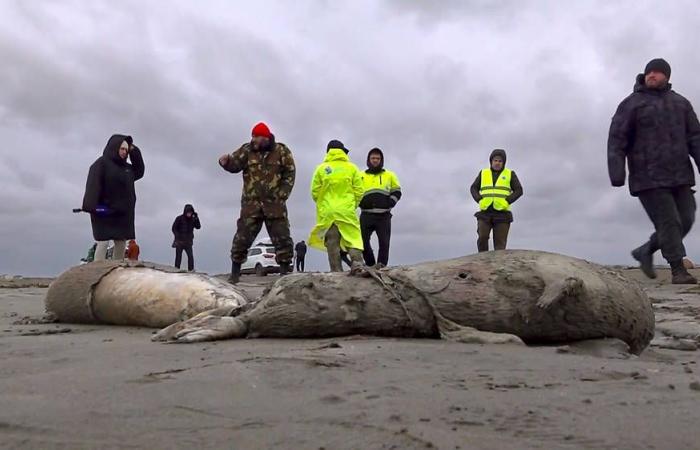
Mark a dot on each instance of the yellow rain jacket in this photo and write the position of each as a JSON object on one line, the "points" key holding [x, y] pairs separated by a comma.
{"points": [[337, 190]]}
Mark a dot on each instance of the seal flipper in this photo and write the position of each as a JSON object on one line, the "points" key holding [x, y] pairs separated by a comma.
{"points": [[207, 326], [451, 331], [559, 290], [213, 328]]}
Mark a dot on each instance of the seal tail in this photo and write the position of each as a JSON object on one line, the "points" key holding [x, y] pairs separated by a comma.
{"points": [[557, 291]]}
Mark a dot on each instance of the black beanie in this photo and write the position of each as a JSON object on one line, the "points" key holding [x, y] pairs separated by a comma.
{"points": [[658, 65], [336, 144]]}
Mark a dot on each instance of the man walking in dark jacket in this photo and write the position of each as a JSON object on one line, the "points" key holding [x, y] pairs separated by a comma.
{"points": [[655, 131], [183, 229], [495, 189], [381, 193], [300, 250]]}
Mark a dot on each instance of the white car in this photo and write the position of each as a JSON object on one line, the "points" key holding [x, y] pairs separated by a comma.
{"points": [[261, 260]]}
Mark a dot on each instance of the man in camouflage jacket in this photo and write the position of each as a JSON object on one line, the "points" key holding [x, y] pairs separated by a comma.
{"points": [[268, 178]]}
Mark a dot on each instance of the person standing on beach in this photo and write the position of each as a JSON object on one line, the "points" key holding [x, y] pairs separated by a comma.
{"points": [[110, 196], [495, 189], [382, 192], [336, 188], [183, 235], [268, 179], [300, 250], [655, 132]]}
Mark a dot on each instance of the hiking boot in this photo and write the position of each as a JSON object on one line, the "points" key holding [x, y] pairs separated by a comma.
{"points": [[680, 275], [235, 276], [379, 266], [646, 260]]}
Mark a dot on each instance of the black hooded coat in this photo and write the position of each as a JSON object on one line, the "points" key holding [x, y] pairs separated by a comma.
{"points": [[110, 183], [183, 227]]}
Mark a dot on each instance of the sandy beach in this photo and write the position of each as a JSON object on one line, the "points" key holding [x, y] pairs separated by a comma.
{"points": [[77, 386]]}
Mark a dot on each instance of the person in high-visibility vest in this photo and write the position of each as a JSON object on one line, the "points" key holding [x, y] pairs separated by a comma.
{"points": [[495, 189], [382, 192]]}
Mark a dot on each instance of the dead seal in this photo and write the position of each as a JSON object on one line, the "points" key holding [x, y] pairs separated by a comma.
{"points": [[504, 296], [136, 293]]}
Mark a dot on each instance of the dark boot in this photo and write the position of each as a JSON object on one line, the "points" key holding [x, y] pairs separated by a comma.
{"points": [[285, 269], [645, 259], [235, 273], [680, 275]]}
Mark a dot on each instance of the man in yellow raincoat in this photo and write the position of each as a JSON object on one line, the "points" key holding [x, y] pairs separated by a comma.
{"points": [[337, 189]]}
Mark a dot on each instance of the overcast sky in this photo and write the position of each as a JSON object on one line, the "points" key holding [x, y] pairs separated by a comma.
{"points": [[436, 85]]}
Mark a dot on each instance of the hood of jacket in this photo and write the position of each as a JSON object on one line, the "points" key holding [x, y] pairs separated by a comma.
{"points": [[336, 154], [380, 167], [188, 208], [111, 150], [498, 152]]}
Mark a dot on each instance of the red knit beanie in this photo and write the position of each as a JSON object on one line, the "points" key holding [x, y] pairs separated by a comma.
{"points": [[261, 130]]}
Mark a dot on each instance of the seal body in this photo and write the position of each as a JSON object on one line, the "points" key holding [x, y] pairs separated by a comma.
{"points": [[141, 294], [537, 297]]}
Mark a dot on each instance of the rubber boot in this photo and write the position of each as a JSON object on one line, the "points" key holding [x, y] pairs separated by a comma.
{"points": [[680, 275], [235, 273], [645, 259]]}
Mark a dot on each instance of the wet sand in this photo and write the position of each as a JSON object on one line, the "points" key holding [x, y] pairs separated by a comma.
{"points": [[73, 386]]}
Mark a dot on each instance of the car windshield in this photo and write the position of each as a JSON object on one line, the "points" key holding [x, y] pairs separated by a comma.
{"points": [[270, 250]]}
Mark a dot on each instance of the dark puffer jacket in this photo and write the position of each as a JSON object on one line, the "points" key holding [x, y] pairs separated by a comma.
{"points": [[654, 131], [110, 183], [183, 227]]}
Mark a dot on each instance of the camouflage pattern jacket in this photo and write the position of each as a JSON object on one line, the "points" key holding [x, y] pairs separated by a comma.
{"points": [[268, 177]]}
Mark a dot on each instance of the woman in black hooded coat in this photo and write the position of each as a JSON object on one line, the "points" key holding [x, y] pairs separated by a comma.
{"points": [[110, 197]]}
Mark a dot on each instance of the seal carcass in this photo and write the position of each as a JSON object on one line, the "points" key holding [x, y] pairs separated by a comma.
{"points": [[511, 295], [142, 294]]}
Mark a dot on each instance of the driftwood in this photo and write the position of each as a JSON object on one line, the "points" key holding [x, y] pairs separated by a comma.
{"points": [[504, 296]]}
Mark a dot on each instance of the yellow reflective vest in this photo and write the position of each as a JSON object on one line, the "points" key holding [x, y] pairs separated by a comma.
{"points": [[495, 194], [336, 188]]}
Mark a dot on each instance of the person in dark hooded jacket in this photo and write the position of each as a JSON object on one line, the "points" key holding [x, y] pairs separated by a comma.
{"points": [[655, 132], [381, 193], [183, 230], [110, 196], [495, 189]]}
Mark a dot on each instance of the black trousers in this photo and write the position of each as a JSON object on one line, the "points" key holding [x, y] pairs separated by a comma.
{"points": [[300, 263], [190, 257], [381, 224], [672, 211]]}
